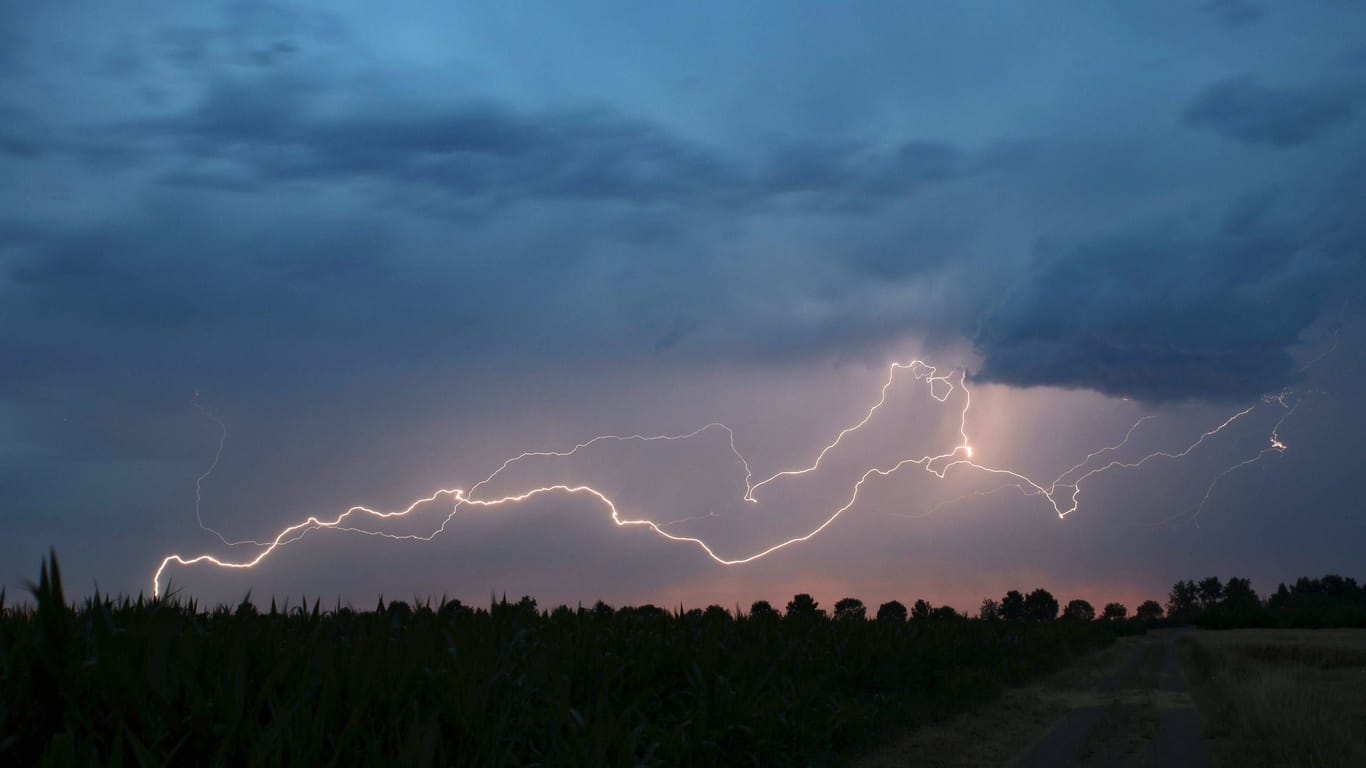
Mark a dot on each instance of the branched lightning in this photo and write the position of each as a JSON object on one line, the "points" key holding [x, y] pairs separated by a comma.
{"points": [[199, 481], [1063, 493], [1275, 445], [919, 370], [1335, 331]]}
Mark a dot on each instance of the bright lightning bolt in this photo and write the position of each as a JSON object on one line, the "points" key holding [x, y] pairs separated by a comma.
{"points": [[920, 371], [941, 388], [1276, 446]]}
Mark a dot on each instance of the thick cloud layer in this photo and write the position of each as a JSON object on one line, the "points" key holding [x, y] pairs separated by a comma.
{"points": [[1236, 13], [277, 179], [1174, 311], [1243, 109]]}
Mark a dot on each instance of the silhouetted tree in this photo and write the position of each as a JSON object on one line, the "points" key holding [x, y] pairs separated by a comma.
{"points": [[1079, 610], [891, 611], [449, 609], [803, 606], [944, 613], [1241, 607], [990, 610], [1210, 592], [921, 610], [1114, 612], [1182, 601], [1238, 593], [1333, 601], [652, 612], [1334, 585], [1149, 610], [400, 610], [761, 609], [716, 613], [1013, 606], [850, 609], [1040, 605]]}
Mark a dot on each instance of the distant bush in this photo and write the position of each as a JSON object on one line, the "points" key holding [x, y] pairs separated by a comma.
{"points": [[1149, 611], [850, 609], [761, 609], [892, 611], [1040, 605], [1079, 610], [1114, 612]]}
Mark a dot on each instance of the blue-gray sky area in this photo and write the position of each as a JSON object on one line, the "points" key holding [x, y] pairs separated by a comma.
{"points": [[387, 246]]}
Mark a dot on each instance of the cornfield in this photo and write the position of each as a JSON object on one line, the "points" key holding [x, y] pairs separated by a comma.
{"points": [[123, 681]]}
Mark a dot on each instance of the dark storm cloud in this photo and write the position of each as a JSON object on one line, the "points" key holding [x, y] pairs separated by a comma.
{"points": [[286, 96], [154, 305], [18, 142], [124, 59], [854, 177], [480, 150], [12, 45], [1236, 13], [24, 136], [1165, 313], [1243, 109], [295, 195], [255, 34], [265, 130], [548, 202]]}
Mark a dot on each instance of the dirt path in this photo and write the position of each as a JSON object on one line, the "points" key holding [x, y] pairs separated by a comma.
{"points": [[1141, 714], [1271, 697], [1124, 706]]}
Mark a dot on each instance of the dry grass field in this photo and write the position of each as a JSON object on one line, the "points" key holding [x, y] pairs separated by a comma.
{"points": [[1283, 697]]}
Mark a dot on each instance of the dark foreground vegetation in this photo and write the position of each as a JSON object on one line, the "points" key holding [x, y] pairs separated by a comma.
{"points": [[162, 682], [155, 682]]}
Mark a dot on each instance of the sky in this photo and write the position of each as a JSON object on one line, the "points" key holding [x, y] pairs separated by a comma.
{"points": [[291, 258]]}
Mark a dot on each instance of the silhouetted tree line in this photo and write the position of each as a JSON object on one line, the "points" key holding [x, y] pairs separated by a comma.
{"points": [[1332, 601]]}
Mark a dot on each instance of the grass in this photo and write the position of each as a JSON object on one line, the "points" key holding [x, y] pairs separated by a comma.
{"points": [[162, 682], [1281, 696]]}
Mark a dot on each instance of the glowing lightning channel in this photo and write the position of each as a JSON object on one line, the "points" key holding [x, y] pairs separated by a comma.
{"points": [[940, 388], [199, 481], [1276, 446], [920, 370]]}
